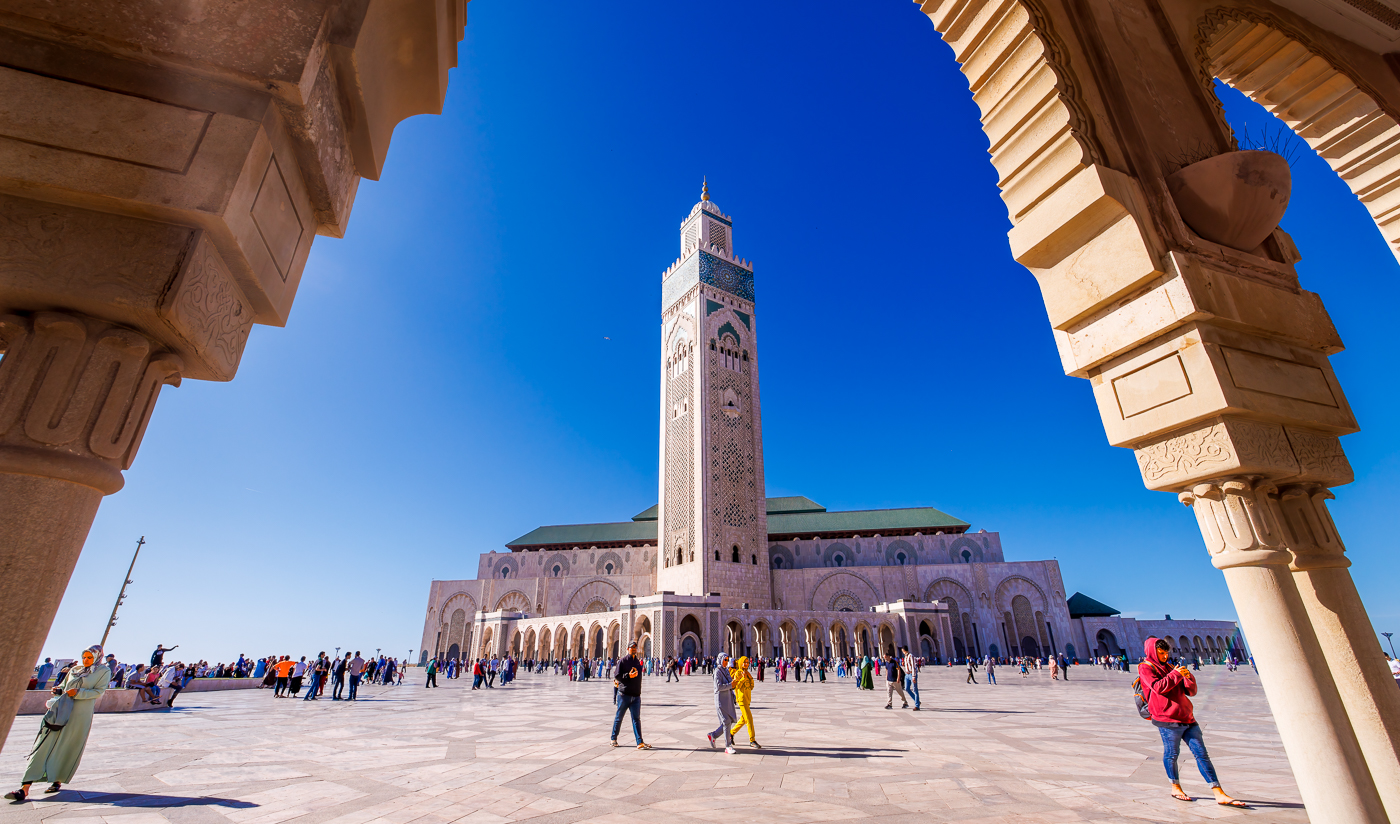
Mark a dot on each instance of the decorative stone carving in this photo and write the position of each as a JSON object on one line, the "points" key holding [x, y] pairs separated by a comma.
{"points": [[205, 307], [1320, 457], [75, 397], [1309, 529], [1222, 446]]}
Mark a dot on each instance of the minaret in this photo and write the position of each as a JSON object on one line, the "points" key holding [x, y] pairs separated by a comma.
{"points": [[713, 530]]}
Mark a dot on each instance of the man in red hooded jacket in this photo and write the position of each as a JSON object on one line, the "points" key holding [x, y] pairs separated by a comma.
{"points": [[1168, 691]]}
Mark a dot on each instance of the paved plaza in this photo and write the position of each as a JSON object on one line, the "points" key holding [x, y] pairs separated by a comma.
{"points": [[1028, 750]]}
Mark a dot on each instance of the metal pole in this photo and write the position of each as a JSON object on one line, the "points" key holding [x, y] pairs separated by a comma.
{"points": [[121, 596], [1392, 642]]}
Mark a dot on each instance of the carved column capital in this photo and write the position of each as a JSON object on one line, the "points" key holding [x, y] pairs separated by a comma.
{"points": [[76, 394], [1240, 520], [1311, 533]]}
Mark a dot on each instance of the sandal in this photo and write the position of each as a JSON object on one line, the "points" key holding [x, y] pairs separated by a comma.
{"points": [[613, 744], [643, 746], [17, 796], [54, 787], [1182, 797], [1234, 802]]}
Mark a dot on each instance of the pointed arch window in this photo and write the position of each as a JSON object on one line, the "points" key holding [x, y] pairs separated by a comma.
{"points": [[735, 557]]}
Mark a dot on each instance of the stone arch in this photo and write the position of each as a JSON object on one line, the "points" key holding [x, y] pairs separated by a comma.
{"points": [[856, 587], [561, 642], [1014, 585], [456, 629], [513, 601], [964, 550], [561, 560], [839, 637], [487, 636], [898, 548], [787, 638], [944, 588], [780, 557], [608, 557], [529, 650], [1026, 639], [546, 650], [1333, 112], [1032, 108], [594, 590], [838, 554], [459, 600], [506, 566]]}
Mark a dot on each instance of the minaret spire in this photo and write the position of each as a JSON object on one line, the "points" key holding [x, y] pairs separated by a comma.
{"points": [[704, 188]]}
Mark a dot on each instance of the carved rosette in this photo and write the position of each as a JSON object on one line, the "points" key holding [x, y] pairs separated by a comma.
{"points": [[76, 394]]}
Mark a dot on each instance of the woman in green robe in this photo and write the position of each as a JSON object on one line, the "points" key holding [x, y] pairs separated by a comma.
{"points": [[57, 750], [865, 682]]}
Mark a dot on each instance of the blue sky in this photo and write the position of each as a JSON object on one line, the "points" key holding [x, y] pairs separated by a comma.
{"points": [[479, 355]]}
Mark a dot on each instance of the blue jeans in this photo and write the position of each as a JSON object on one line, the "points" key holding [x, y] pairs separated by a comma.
{"points": [[911, 688], [633, 704], [991, 676], [315, 682], [354, 686], [1171, 746]]}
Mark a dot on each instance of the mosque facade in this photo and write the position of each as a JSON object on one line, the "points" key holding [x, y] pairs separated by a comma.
{"points": [[717, 566]]}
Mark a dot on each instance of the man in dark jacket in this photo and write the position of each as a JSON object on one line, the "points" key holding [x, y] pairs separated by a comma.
{"points": [[627, 690]]}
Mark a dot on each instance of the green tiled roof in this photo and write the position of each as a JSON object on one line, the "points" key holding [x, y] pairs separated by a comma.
{"points": [[863, 521], [792, 515], [652, 514], [1082, 606], [627, 532]]}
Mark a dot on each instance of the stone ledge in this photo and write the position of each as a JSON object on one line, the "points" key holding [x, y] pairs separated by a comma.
{"points": [[125, 700]]}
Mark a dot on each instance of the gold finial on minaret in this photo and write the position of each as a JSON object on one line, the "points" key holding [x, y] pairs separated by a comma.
{"points": [[704, 189]]}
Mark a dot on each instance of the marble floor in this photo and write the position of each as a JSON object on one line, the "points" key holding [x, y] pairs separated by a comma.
{"points": [[1026, 750]]}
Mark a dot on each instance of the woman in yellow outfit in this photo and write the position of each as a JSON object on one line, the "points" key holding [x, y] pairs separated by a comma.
{"points": [[743, 688]]}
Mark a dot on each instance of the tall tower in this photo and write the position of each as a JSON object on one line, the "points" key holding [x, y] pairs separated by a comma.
{"points": [[713, 530]]}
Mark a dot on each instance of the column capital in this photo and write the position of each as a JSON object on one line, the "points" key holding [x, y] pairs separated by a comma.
{"points": [[1310, 530], [1240, 522], [76, 394]]}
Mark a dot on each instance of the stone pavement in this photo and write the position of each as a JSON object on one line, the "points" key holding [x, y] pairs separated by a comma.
{"points": [[1025, 751]]}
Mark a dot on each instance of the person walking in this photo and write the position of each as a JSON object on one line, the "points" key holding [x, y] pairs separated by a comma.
{"points": [[283, 669], [432, 674], [1167, 690], [315, 677], [357, 669], [1054, 668], [991, 670], [911, 676], [894, 683], [627, 694], [63, 733], [865, 681], [341, 670], [971, 670], [743, 692], [44, 674], [724, 704]]}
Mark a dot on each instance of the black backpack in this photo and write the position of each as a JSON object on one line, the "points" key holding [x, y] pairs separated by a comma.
{"points": [[1141, 699]]}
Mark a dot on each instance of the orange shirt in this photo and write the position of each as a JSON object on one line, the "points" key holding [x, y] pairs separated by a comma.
{"points": [[284, 668]]}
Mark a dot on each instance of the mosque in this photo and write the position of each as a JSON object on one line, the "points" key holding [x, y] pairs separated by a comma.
{"points": [[716, 566]]}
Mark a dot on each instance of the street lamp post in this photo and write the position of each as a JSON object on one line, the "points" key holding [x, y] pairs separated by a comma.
{"points": [[121, 596], [1392, 643], [337, 653], [409, 660]]}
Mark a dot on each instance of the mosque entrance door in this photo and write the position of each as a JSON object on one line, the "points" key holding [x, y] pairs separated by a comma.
{"points": [[688, 647], [454, 652], [1030, 647]]}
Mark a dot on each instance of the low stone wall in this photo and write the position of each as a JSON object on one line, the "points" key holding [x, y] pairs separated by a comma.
{"points": [[125, 700]]}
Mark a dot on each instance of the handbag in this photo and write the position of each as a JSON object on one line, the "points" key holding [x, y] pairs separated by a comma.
{"points": [[60, 710]]}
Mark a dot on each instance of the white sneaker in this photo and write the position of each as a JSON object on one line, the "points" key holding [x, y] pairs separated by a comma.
{"points": [[729, 750]]}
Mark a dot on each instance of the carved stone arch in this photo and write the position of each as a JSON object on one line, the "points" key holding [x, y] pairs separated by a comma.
{"points": [[595, 590], [513, 601], [948, 587], [1014, 585], [836, 583], [832, 550], [962, 542], [1346, 121], [559, 559], [607, 557], [776, 551], [911, 555], [459, 600], [506, 566], [1032, 107]]}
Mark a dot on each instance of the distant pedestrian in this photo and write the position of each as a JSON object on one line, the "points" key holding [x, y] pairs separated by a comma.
{"points": [[432, 674], [911, 676], [1167, 691], [298, 673], [894, 682], [45, 673], [339, 673], [724, 704], [743, 693], [627, 694], [357, 669], [317, 672], [971, 670], [865, 681], [991, 670]]}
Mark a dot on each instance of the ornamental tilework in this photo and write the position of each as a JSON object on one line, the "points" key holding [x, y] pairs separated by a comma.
{"points": [[722, 274]]}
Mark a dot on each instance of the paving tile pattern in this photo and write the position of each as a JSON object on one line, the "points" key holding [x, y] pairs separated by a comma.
{"points": [[1027, 750]]}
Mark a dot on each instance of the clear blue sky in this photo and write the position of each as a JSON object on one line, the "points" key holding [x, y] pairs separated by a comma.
{"points": [[479, 355]]}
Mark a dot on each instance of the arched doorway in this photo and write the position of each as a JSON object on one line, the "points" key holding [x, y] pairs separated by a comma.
{"points": [[454, 653], [688, 647], [1106, 643], [1030, 647]]}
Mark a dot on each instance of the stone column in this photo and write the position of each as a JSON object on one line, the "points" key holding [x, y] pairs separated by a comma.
{"points": [[1345, 633], [1241, 522], [75, 396]]}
